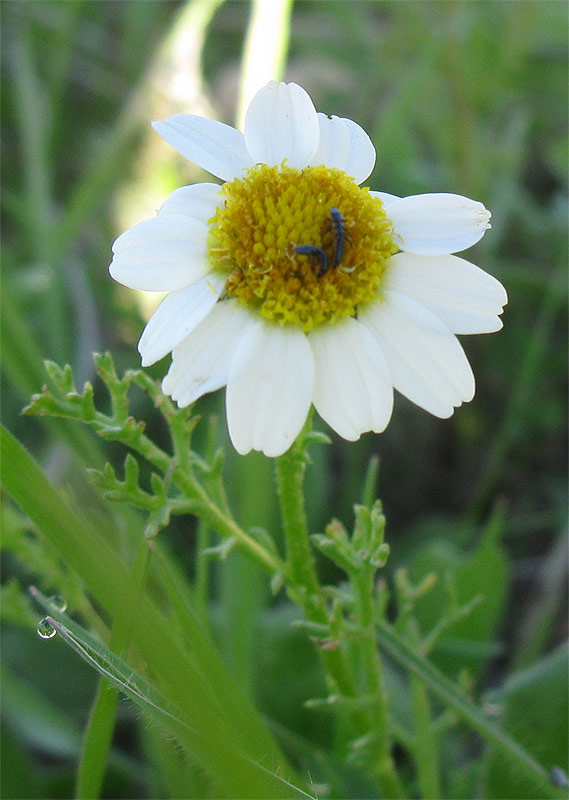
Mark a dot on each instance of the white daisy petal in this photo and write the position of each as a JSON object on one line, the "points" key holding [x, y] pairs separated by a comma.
{"points": [[200, 363], [269, 390], [437, 224], [177, 315], [463, 296], [264, 219], [281, 123], [426, 362], [199, 201], [161, 254], [214, 146], [352, 388], [346, 146], [385, 198]]}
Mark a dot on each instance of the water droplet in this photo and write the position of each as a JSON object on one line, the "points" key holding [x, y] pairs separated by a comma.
{"points": [[45, 629], [58, 602], [559, 778]]}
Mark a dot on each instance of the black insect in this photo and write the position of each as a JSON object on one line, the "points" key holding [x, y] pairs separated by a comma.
{"points": [[339, 226], [313, 250]]}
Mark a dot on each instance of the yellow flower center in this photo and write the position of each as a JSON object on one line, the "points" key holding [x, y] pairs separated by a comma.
{"points": [[302, 247]]}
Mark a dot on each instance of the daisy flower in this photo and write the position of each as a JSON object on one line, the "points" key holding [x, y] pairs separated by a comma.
{"points": [[291, 284]]}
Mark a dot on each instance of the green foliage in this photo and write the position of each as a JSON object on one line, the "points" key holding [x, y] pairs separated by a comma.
{"points": [[191, 679], [464, 97], [529, 705], [342, 623], [478, 581]]}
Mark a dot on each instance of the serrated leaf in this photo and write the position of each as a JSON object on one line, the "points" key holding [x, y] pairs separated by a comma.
{"points": [[43, 404], [61, 377]]}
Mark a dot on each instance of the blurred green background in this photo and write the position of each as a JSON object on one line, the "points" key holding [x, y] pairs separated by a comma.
{"points": [[464, 97]]}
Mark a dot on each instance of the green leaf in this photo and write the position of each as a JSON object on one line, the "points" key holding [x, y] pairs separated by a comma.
{"points": [[508, 749], [192, 680], [246, 777], [534, 707]]}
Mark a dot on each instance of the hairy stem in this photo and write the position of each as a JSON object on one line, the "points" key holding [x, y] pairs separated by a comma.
{"points": [[382, 762], [304, 588]]}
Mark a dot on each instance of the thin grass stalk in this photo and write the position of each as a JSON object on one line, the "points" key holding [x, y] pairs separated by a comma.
{"points": [[98, 736]]}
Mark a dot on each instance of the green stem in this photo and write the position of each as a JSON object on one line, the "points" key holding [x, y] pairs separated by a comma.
{"points": [[290, 474], [204, 536], [228, 528], [205, 508], [383, 765], [97, 742], [425, 742], [303, 584]]}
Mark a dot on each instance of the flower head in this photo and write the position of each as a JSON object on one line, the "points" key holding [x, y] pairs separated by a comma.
{"points": [[292, 284]]}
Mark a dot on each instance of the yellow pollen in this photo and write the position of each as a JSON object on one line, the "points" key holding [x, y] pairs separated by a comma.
{"points": [[273, 210]]}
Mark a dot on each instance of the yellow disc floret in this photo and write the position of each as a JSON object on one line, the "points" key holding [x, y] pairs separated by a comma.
{"points": [[303, 247]]}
